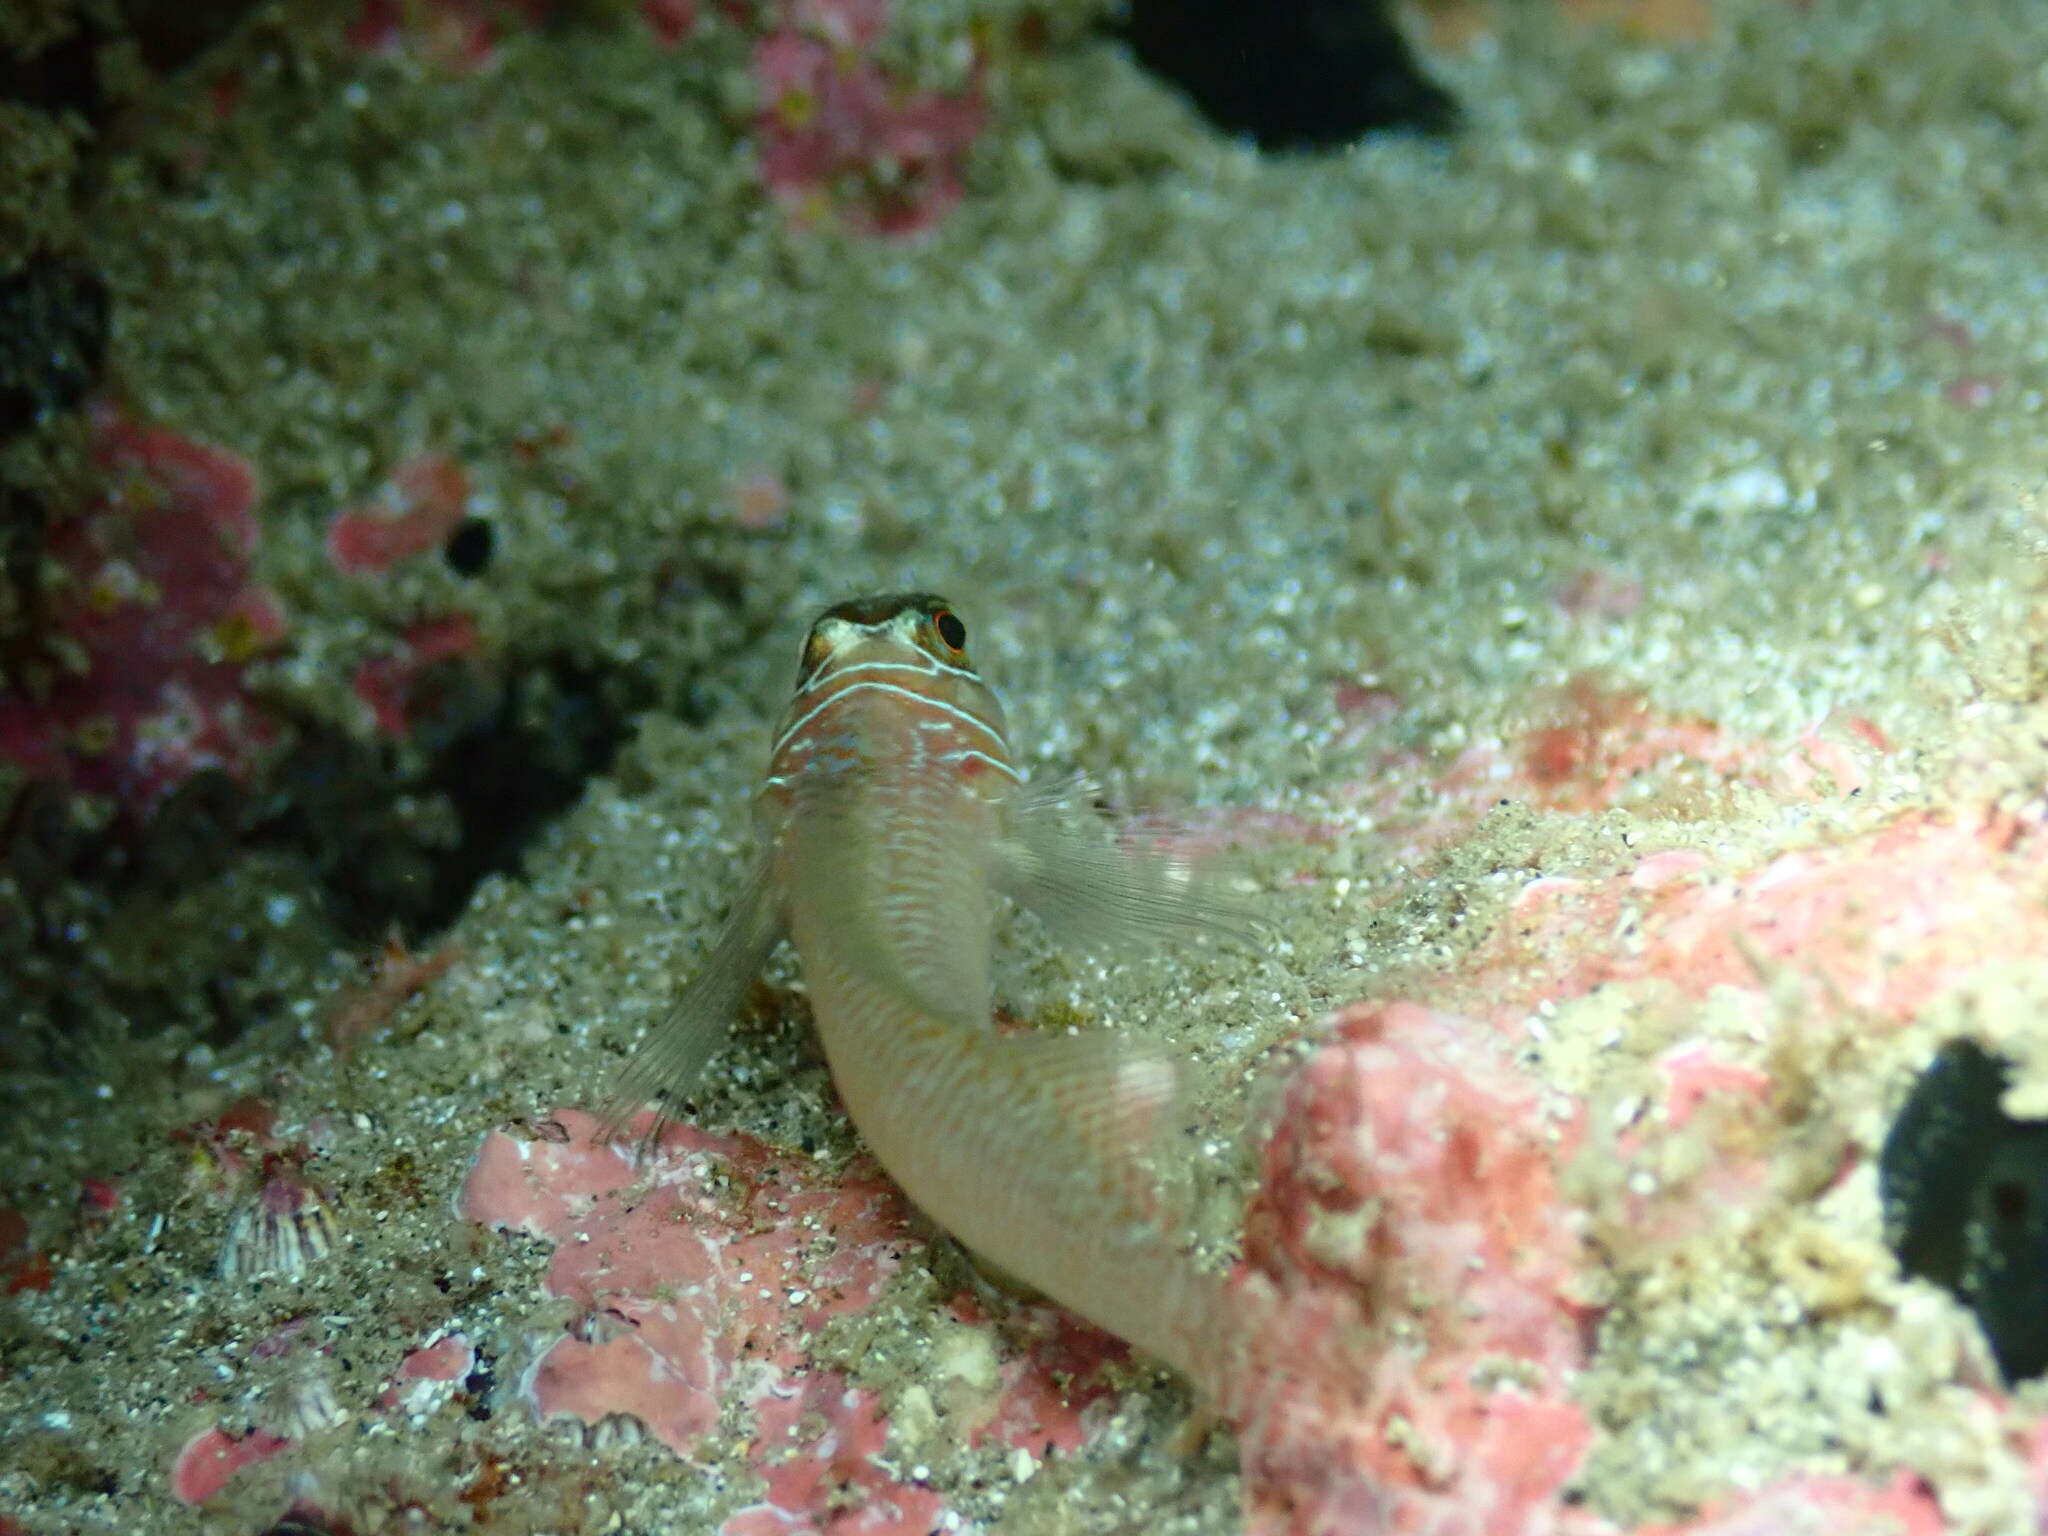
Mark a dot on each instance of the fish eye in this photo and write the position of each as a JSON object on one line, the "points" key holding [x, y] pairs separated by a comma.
{"points": [[816, 648], [950, 629]]}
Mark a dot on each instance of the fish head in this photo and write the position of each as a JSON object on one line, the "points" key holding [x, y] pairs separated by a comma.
{"points": [[887, 694], [904, 628]]}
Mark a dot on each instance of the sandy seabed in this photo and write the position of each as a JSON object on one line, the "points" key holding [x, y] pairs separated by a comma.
{"points": [[1594, 563]]}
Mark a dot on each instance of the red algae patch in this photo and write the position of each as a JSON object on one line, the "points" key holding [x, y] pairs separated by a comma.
{"points": [[392, 977], [818, 1446], [1693, 1074], [428, 1376], [1438, 1235], [21, 1267], [1588, 747], [1883, 918], [701, 1267], [1603, 737], [449, 1360], [459, 36]]}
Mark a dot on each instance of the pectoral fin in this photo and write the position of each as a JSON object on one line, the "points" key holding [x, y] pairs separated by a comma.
{"points": [[1095, 892], [672, 1057]]}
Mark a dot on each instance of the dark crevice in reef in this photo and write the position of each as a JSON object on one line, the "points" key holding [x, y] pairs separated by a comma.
{"points": [[53, 339], [218, 910], [1965, 1193], [56, 63], [1290, 74], [499, 771]]}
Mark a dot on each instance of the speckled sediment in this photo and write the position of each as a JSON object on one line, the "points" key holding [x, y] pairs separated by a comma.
{"points": [[1274, 486]]}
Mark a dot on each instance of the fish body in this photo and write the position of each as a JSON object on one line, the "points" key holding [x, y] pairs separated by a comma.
{"points": [[889, 790], [894, 824]]}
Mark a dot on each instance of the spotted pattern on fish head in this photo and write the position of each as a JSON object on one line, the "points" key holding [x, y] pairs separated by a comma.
{"points": [[886, 691]]}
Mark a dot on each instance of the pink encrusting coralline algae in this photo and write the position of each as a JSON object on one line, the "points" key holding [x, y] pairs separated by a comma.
{"points": [[702, 1266], [1882, 922], [1413, 1260], [837, 130], [211, 1458], [414, 513], [1416, 1262], [1414, 1250], [387, 683], [1407, 1294], [157, 619], [423, 502], [1820, 1506]]}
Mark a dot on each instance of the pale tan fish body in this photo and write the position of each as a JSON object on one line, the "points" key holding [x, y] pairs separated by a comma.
{"points": [[893, 823]]}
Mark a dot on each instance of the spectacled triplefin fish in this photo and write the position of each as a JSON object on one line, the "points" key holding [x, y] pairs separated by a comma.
{"points": [[893, 824]]}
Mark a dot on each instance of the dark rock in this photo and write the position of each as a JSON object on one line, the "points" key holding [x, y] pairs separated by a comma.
{"points": [[53, 339], [1965, 1193], [1293, 74], [63, 77], [500, 763], [468, 550]]}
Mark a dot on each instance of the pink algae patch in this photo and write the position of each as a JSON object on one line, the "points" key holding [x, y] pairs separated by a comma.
{"points": [[1602, 738], [1884, 921], [1693, 1073], [1413, 1258], [210, 1460], [1043, 1392], [700, 1267], [1820, 1506], [818, 1442], [422, 504], [459, 36], [426, 1377], [1413, 1261], [1593, 747], [158, 617], [671, 20], [449, 1360], [1601, 742], [389, 684], [838, 130], [1431, 1434], [21, 1267]]}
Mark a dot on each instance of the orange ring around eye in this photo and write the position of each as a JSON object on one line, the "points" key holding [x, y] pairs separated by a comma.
{"points": [[946, 623]]}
